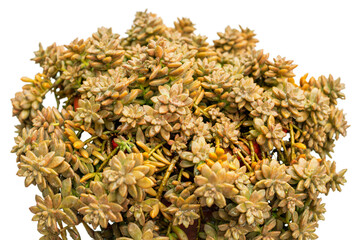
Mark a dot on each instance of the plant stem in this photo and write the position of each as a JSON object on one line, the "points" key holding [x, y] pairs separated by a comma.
{"points": [[198, 227], [257, 158], [263, 155], [217, 141], [79, 134], [88, 229], [166, 177], [252, 151], [242, 150], [202, 111], [169, 229], [292, 139], [237, 152], [56, 83], [156, 148], [103, 146], [297, 128], [77, 232], [90, 139], [57, 100], [281, 155], [180, 174], [244, 141], [62, 232], [108, 159], [240, 123], [285, 150]]}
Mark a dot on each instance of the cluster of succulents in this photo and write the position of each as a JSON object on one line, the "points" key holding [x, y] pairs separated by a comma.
{"points": [[161, 135]]}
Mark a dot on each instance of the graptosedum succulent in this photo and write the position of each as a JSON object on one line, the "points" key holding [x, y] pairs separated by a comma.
{"points": [[161, 135]]}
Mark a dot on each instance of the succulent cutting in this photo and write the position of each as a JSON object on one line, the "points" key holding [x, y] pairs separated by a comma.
{"points": [[162, 135]]}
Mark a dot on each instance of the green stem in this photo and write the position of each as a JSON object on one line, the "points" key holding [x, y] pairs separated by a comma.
{"points": [[237, 152], [202, 111], [166, 177], [292, 139], [240, 123], [242, 150], [244, 141], [180, 174], [201, 213], [285, 150], [77, 232], [297, 128], [156, 148], [198, 227], [90, 139], [252, 151], [62, 232], [104, 133], [88, 229], [57, 100], [169, 229], [79, 134], [108, 159], [281, 155], [257, 158], [56, 83], [103, 146]]}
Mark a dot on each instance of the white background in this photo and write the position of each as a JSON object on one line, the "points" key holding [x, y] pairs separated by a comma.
{"points": [[321, 36]]}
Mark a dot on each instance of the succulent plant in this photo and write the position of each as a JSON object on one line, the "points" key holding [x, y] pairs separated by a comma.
{"points": [[234, 230], [185, 26], [218, 84], [279, 68], [105, 51], [301, 228], [172, 100], [199, 152], [337, 124], [235, 41], [290, 101], [48, 210], [262, 108], [87, 112], [184, 207], [309, 174], [49, 59], [162, 135], [272, 177], [267, 232], [267, 136], [26, 103], [132, 116], [252, 207], [98, 210], [245, 91], [42, 167], [215, 185], [146, 27], [126, 174], [133, 231], [317, 107], [336, 178], [329, 86]]}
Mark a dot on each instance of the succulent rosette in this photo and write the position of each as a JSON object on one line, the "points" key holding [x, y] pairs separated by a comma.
{"points": [[161, 135]]}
